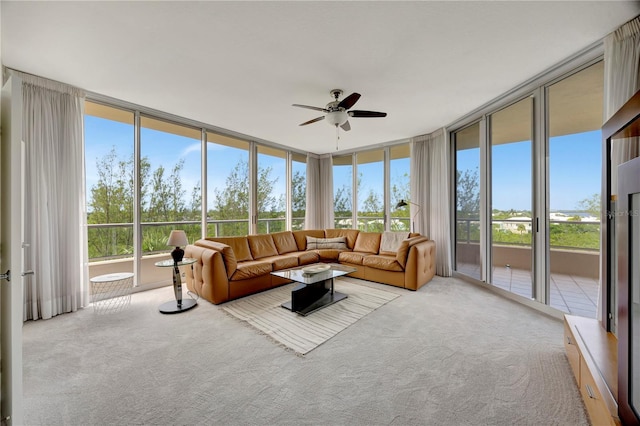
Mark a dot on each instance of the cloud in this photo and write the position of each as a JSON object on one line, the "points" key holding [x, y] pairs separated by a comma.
{"points": [[195, 147]]}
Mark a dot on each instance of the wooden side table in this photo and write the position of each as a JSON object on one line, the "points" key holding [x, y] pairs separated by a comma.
{"points": [[178, 305]]}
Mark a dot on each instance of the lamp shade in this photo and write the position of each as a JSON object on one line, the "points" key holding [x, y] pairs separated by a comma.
{"points": [[401, 204], [177, 238]]}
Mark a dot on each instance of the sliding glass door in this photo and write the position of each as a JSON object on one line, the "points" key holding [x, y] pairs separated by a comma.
{"points": [[467, 194], [527, 193], [511, 198]]}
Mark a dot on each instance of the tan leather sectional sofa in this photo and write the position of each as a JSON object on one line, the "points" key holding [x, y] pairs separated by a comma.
{"points": [[231, 267]]}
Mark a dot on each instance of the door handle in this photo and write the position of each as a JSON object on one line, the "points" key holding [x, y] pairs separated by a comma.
{"points": [[6, 275], [29, 272]]}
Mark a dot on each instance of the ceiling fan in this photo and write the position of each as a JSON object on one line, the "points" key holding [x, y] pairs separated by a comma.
{"points": [[337, 112]]}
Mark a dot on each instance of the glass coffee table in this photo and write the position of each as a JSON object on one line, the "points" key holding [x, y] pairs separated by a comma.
{"points": [[315, 286]]}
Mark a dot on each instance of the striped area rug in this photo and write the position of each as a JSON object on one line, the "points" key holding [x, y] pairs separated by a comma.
{"points": [[303, 334]]}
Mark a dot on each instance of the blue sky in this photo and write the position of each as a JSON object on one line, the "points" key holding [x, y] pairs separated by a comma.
{"points": [[574, 163], [167, 149], [574, 171]]}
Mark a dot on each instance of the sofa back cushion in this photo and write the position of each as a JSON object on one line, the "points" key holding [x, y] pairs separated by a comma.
{"points": [[262, 246], [367, 242], [301, 237], [351, 235], [240, 246], [338, 243], [284, 241]]}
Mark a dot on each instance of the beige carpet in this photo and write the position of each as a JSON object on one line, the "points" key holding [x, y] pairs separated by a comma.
{"points": [[449, 354], [303, 334]]}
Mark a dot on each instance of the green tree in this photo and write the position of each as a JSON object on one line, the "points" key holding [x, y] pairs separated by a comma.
{"points": [[298, 199], [592, 205], [232, 202], [468, 193]]}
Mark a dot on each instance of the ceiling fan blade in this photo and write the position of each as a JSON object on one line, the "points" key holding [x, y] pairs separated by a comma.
{"points": [[361, 114], [310, 107], [312, 121], [349, 101], [346, 126]]}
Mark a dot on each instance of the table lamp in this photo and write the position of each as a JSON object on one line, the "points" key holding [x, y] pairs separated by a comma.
{"points": [[177, 238]]}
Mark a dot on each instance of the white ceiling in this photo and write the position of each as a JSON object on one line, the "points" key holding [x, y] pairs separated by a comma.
{"points": [[240, 65]]}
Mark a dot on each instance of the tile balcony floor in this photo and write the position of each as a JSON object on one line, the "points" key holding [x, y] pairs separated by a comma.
{"points": [[572, 294]]}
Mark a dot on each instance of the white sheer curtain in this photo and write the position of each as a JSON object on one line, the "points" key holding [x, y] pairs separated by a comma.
{"points": [[621, 82], [55, 209], [319, 211], [430, 189]]}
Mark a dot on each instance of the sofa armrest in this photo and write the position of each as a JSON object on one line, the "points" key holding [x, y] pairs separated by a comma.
{"points": [[403, 251], [208, 278], [228, 256], [421, 264]]}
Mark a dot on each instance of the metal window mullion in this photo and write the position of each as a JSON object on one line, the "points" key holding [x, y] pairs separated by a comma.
{"points": [[354, 191], [288, 195], [387, 189], [540, 205], [253, 188], [203, 184], [137, 202], [485, 199]]}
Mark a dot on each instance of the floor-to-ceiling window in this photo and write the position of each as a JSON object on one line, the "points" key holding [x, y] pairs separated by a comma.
{"points": [[467, 195], [109, 143], [342, 191], [575, 161], [271, 190], [298, 190], [370, 189], [399, 186], [511, 197], [227, 186], [170, 182], [376, 180], [527, 189]]}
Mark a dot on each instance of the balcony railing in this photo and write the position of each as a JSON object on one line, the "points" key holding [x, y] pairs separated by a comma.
{"points": [[115, 240], [582, 235]]}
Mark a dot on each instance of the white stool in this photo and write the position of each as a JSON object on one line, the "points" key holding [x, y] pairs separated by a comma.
{"points": [[111, 292]]}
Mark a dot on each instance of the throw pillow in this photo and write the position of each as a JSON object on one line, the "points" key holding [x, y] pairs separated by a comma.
{"points": [[326, 243]]}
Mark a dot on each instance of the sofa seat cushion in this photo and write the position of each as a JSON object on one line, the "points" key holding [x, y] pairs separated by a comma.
{"points": [[252, 269], [355, 258], [240, 246], [284, 241], [367, 242], [379, 261], [350, 234], [328, 254], [306, 257], [281, 262], [262, 246]]}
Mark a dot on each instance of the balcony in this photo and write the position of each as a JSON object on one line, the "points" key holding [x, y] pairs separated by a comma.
{"points": [[574, 275]]}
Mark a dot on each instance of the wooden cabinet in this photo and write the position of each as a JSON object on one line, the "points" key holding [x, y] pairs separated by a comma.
{"points": [[592, 355]]}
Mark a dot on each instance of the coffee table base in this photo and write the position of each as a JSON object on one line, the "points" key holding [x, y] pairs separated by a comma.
{"points": [[308, 298]]}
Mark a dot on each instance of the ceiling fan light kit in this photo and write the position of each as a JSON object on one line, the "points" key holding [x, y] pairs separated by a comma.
{"points": [[337, 112]]}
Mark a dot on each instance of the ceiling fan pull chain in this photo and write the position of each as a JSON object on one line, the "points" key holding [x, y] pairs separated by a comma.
{"points": [[337, 136]]}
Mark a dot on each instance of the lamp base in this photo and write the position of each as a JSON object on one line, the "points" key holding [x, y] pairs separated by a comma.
{"points": [[177, 254]]}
